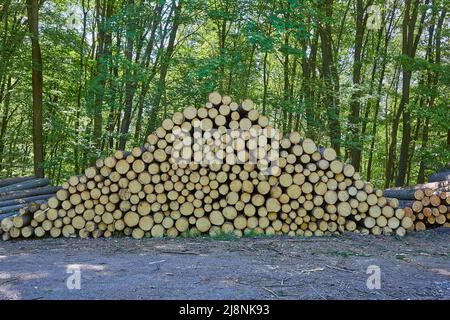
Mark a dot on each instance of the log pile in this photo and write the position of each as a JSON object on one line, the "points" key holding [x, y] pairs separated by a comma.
{"points": [[20, 197], [426, 204], [18, 192], [210, 170]]}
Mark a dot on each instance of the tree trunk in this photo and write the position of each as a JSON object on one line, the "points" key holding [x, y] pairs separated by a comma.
{"points": [[409, 45], [308, 68], [130, 86], [391, 150], [161, 86], [37, 83], [265, 83], [81, 82], [104, 39], [354, 120], [146, 83], [433, 80], [286, 100], [5, 118], [387, 38], [331, 76]]}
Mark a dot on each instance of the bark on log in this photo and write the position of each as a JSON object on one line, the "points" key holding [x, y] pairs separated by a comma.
{"points": [[14, 180], [26, 200], [19, 206], [407, 193], [9, 214], [440, 176], [29, 184], [29, 193]]}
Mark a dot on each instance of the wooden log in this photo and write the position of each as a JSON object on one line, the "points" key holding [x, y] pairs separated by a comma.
{"points": [[443, 175], [407, 193], [348, 170], [21, 220], [16, 207], [28, 184], [344, 209], [420, 226], [25, 200], [309, 146], [328, 154], [405, 203], [435, 201], [215, 98], [29, 193], [336, 166], [400, 193], [122, 166], [14, 180], [417, 206], [4, 216], [247, 105]]}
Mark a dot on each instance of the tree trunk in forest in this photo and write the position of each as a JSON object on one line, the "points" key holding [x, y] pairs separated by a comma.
{"points": [[308, 69], [146, 84], [409, 45], [115, 110], [265, 83], [98, 76], [81, 82], [161, 86], [331, 76], [222, 34], [387, 38], [130, 86], [286, 100], [354, 119], [406, 133], [37, 80], [421, 174], [413, 148], [391, 152], [248, 73], [5, 116], [104, 39], [433, 80]]}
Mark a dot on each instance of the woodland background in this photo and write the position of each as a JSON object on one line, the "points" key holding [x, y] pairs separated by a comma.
{"points": [[371, 78]]}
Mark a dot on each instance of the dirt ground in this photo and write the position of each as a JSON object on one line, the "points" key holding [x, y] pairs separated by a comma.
{"points": [[414, 267]]}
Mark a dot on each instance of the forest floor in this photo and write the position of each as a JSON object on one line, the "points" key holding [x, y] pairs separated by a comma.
{"points": [[414, 267]]}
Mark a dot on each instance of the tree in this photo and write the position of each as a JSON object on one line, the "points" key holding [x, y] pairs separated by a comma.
{"points": [[330, 75], [355, 105], [165, 60], [130, 87], [311, 66], [409, 46], [37, 80]]}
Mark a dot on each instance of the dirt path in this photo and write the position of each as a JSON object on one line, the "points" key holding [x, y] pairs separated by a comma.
{"points": [[414, 267]]}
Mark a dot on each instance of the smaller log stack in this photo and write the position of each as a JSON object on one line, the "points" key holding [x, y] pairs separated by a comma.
{"points": [[20, 197], [426, 205]]}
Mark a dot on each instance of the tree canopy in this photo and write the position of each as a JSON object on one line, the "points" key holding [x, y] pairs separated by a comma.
{"points": [[368, 77]]}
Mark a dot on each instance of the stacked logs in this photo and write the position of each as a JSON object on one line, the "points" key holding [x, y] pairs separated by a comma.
{"points": [[22, 223], [427, 207], [19, 198], [19, 192], [189, 180]]}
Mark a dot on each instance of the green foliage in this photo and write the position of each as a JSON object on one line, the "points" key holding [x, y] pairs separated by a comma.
{"points": [[224, 45]]}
